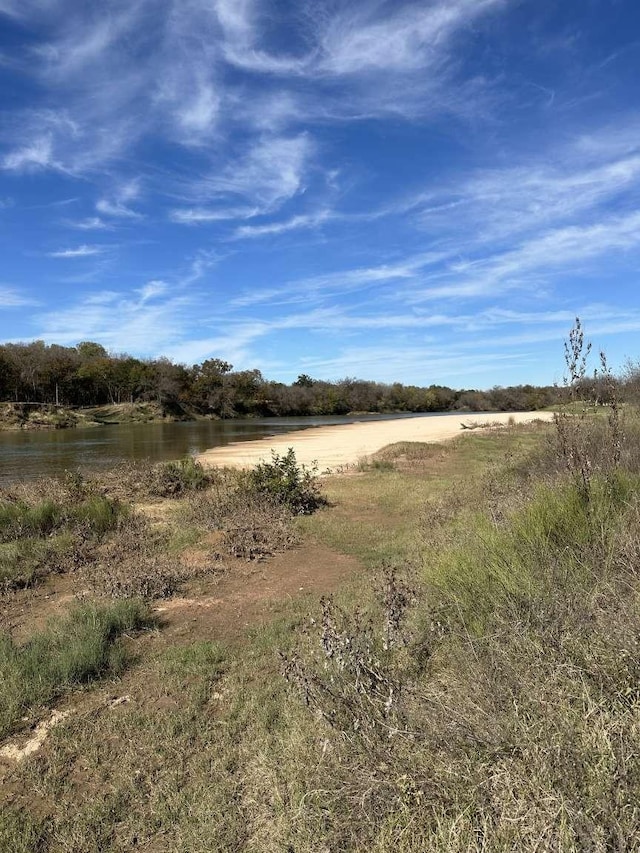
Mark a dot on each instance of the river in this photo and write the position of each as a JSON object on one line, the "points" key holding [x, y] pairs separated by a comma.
{"points": [[28, 454]]}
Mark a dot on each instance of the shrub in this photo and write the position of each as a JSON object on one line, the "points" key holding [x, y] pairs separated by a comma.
{"points": [[257, 526], [133, 564], [286, 482], [24, 561], [52, 527], [252, 524], [171, 479], [353, 675]]}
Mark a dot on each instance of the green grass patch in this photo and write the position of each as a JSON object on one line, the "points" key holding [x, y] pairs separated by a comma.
{"points": [[95, 514], [76, 650], [44, 535], [23, 561], [384, 517], [21, 833], [204, 658], [556, 545]]}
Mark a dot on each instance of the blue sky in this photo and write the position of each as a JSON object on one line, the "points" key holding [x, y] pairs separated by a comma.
{"points": [[418, 192]]}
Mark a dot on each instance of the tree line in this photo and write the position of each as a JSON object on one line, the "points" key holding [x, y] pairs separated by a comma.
{"points": [[87, 375]]}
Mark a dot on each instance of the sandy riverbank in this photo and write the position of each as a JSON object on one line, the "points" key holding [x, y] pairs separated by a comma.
{"points": [[336, 446]]}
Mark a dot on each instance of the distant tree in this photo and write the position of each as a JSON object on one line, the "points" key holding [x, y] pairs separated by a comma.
{"points": [[208, 385], [169, 381], [304, 381], [9, 375], [243, 392], [100, 378], [88, 350], [60, 365], [631, 381]]}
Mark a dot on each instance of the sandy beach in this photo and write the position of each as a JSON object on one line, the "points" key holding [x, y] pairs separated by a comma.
{"points": [[338, 446]]}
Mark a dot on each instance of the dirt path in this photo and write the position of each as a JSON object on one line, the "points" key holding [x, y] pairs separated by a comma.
{"points": [[251, 594], [214, 607]]}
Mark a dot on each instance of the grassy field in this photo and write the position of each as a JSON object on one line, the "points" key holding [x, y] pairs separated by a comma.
{"points": [[472, 684]]}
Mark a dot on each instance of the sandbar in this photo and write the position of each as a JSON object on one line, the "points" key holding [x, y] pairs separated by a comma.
{"points": [[340, 446]]}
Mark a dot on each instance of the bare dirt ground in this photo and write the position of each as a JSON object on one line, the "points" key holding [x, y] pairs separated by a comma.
{"points": [[338, 447], [251, 593], [215, 607]]}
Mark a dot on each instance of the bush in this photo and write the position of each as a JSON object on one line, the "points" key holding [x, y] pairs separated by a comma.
{"points": [[52, 527], [285, 482], [133, 564], [172, 479], [256, 527]]}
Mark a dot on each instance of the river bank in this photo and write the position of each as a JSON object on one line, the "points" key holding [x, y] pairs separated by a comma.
{"points": [[47, 416], [338, 446]]}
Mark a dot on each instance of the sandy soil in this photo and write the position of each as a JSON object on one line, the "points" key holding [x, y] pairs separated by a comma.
{"points": [[343, 445]]}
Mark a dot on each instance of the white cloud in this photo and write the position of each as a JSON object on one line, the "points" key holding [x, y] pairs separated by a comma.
{"points": [[198, 115], [271, 172], [295, 223], [498, 203], [91, 223], [85, 43], [83, 251], [527, 265], [152, 290], [31, 157], [199, 266], [343, 281], [117, 205], [116, 209], [200, 215], [359, 40], [12, 298], [22, 9], [421, 364], [121, 322], [160, 70]]}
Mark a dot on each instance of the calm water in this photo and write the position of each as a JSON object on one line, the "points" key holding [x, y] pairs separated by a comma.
{"points": [[26, 455]]}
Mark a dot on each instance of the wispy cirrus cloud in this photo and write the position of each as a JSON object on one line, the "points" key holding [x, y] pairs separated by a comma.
{"points": [[31, 156], [303, 221], [532, 263], [161, 68], [329, 285], [498, 203], [84, 251], [11, 297], [141, 321], [269, 173], [203, 215], [117, 204], [91, 223], [360, 40]]}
